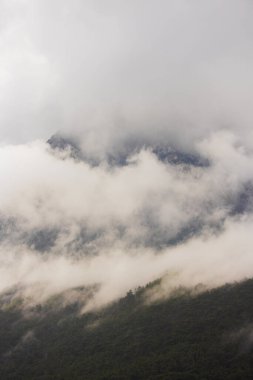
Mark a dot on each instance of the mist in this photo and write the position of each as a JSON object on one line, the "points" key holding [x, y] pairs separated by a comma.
{"points": [[111, 71], [151, 103]]}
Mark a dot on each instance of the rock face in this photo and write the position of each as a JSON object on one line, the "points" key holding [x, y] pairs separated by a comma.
{"points": [[175, 157], [120, 156], [61, 144], [243, 203]]}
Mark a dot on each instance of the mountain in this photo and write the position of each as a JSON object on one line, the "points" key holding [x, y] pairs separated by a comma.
{"points": [[190, 336], [61, 144], [119, 156]]}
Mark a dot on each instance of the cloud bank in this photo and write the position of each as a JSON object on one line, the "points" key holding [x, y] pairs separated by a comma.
{"points": [[151, 102], [115, 70], [67, 224]]}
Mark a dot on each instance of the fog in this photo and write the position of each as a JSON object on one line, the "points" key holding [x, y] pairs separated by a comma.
{"points": [[115, 69], [123, 79]]}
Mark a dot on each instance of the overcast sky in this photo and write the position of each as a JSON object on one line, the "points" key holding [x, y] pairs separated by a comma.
{"points": [[112, 68]]}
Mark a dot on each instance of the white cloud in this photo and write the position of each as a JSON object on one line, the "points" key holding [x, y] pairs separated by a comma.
{"points": [[117, 75], [123, 209]]}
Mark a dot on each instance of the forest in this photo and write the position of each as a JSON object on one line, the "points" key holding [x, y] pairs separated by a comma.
{"points": [[190, 336]]}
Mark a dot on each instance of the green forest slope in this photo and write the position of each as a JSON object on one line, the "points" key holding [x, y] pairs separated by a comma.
{"points": [[206, 336]]}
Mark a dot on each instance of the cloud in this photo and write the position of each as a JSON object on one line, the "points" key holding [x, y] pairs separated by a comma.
{"points": [[211, 261], [108, 72], [41, 190], [122, 81], [66, 223]]}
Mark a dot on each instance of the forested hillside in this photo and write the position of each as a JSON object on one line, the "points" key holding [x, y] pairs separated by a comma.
{"points": [[204, 336]]}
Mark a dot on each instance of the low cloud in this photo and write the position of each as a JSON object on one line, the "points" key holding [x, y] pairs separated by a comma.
{"points": [[151, 102], [67, 224]]}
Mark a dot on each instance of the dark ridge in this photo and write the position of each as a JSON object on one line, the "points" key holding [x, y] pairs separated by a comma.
{"points": [[175, 157], [244, 200], [8, 227], [119, 156], [165, 154], [42, 239], [60, 143], [187, 337]]}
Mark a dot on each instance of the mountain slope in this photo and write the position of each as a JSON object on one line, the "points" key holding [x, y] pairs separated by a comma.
{"points": [[208, 336]]}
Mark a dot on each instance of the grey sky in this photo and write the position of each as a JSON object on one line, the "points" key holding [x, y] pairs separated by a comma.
{"points": [[110, 68]]}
